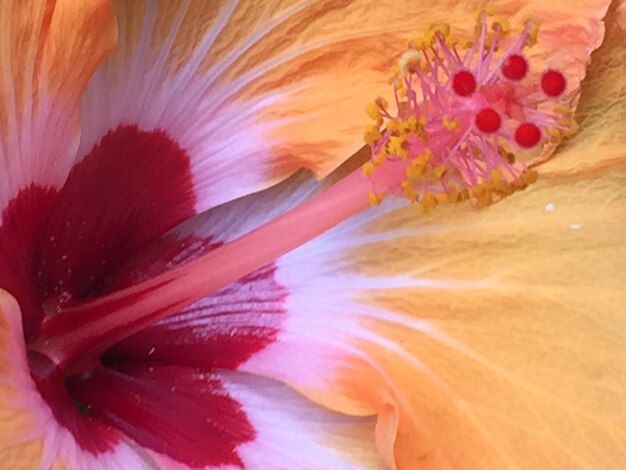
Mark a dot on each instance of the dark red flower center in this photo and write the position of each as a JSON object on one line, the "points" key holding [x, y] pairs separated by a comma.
{"points": [[104, 230]]}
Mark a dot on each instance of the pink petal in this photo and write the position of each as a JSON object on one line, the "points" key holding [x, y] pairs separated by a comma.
{"points": [[32, 435], [183, 413], [227, 328], [49, 50], [188, 417], [248, 90], [132, 187]]}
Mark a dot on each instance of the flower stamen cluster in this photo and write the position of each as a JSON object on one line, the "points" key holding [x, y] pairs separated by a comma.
{"points": [[464, 113]]}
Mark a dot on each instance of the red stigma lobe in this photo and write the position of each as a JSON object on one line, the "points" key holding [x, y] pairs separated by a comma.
{"points": [[464, 83], [527, 135], [515, 67], [553, 83], [488, 120]]}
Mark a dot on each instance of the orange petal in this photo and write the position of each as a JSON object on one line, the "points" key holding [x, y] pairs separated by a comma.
{"points": [[251, 91], [30, 436], [15, 420], [483, 339], [510, 354], [254, 91], [337, 72], [48, 51], [599, 144]]}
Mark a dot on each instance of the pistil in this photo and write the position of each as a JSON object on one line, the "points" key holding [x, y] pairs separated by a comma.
{"points": [[79, 334], [458, 122]]}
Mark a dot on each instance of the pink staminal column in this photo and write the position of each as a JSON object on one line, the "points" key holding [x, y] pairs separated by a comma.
{"points": [[461, 115]]}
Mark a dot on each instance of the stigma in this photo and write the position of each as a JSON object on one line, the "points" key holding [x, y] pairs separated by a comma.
{"points": [[468, 115]]}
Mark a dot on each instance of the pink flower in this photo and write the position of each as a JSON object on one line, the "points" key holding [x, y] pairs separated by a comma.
{"points": [[176, 292]]}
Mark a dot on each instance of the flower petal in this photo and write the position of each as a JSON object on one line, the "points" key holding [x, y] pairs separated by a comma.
{"points": [[510, 353], [182, 413], [203, 102], [243, 87], [599, 145], [250, 91], [255, 324], [170, 127], [226, 328], [295, 433], [484, 339], [31, 435], [188, 417], [48, 50]]}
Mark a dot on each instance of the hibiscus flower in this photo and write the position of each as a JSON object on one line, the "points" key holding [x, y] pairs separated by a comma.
{"points": [[156, 312]]}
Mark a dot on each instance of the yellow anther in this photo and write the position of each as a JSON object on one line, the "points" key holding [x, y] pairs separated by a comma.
{"points": [[532, 23], [567, 112], [442, 197], [572, 128], [394, 125], [426, 40], [496, 177], [395, 74], [502, 24], [483, 196], [424, 157], [487, 10], [415, 170], [413, 124], [427, 201], [460, 42], [410, 59], [368, 168], [408, 190], [530, 176], [378, 158], [439, 171], [498, 184], [400, 126], [452, 124], [442, 28], [374, 198], [382, 102], [373, 111], [519, 183], [454, 195], [396, 146], [372, 133], [554, 133]]}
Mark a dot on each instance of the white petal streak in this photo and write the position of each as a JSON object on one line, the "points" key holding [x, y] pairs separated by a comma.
{"points": [[292, 432], [228, 148]]}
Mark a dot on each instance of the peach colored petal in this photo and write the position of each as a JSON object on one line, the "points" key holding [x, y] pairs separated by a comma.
{"points": [[337, 72], [510, 354], [30, 437], [483, 339], [272, 87], [14, 421], [48, 50], [620, 11], [599, 145]]}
